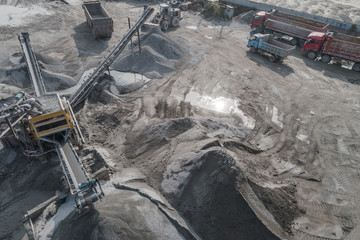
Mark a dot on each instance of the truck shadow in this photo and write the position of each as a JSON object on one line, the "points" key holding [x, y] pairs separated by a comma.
{"points": [[85, 42], [332, 70], [278, 67]]}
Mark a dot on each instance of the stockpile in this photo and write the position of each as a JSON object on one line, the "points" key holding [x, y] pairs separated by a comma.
{"points": [[160, 54]]}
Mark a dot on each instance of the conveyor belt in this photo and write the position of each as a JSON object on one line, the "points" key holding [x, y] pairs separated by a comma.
{"points": [[75, 175], [71, 167], [89, 83], [32, 64]]}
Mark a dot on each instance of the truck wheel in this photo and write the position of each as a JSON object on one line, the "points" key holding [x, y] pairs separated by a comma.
{"points": [[356, 67], [301, 43], [325, 58], [164, 25], [272, 58], [196, 7], [253, 50], [312, 55], [279, 59], [294, 41], [175, 22], [257, 30]]}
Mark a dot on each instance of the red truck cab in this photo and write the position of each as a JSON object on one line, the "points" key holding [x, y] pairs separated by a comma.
{"points": [[313, 44], [259, 19]]}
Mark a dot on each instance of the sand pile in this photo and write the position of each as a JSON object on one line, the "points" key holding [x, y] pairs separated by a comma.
{"points": [[16, 13], [24, 184], [160, 55], [13, 71], [211, 202], [347, 11], [131, 210]]}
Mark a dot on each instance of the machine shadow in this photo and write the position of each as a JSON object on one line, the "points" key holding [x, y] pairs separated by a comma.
{"points": [[262, 60], [332, 70], [85, 42]]}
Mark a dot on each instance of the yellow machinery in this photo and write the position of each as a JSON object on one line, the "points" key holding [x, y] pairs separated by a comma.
{"points": [[50, 124]]}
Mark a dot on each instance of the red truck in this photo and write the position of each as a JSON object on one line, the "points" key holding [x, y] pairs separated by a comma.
{"points": [[283, 24], [334, 46]]}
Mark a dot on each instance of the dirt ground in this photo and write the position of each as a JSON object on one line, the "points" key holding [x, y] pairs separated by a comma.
{"points": [[240, 147]]}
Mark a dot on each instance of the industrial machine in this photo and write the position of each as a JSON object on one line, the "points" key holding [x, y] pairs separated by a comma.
{"points": [[46, 122], [336, 47], [167, 17], [195, 5], [266, 44], [98, 19], [283, 24]]}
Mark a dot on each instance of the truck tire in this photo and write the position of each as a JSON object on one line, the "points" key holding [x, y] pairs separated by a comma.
{"points": [[312, 55], [325, 58], [256, 30], [356, 67], [164, 25], [294, 41], [301, 43], [272, 58], [175, 22], [279, 59], [253, 50]]}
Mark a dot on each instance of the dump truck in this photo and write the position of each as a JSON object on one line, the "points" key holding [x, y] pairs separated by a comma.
{"points": [[282, 24], [98, 19], [267, 45], [335, 47]]}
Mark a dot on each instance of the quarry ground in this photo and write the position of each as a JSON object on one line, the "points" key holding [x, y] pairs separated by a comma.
{"points": [[239, 147]]}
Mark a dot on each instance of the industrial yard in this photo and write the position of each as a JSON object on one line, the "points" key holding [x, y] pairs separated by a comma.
{"points": [[190, 134]]}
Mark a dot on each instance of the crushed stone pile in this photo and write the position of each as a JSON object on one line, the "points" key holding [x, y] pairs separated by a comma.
{"points": [[14, 72], [160, 54]]}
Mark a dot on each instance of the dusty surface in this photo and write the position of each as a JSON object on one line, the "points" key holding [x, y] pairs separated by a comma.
{"points": [[344, 10], [240, 147]]}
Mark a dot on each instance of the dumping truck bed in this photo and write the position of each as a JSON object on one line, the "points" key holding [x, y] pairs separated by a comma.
{"points": [[266, 44], [98, 19], [289, 28], [343, 46], [283, 24], [339, 48], [276, 47], [297, 19]]}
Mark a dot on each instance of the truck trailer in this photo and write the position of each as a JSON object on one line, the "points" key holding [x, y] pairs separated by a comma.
{"points": [[266, 44], [99, 20], [283, 24], [335, 47]]}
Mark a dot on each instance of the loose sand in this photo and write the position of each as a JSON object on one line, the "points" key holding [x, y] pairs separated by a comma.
{"points": [[346, 10], [219, 144]]}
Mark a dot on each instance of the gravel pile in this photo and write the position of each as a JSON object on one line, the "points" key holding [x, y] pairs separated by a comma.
{"points": [[160, 55]]}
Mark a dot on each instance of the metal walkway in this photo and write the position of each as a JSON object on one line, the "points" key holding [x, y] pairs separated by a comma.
{"points": [[89, 83], [32, 64]]}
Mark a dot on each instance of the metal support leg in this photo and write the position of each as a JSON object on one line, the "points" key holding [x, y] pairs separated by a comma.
{"points": [[138, 34], [130, 39], [16, 136]]}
